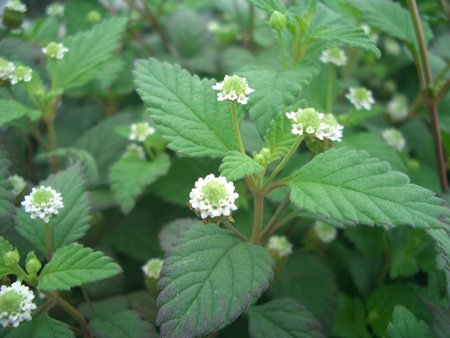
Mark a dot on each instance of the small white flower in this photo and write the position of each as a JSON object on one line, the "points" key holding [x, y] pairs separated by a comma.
{"points": [[140, 131], [43, 202], [394, 138], [397, 108], [152, 269], [360, 97], [369, 31], [16, 5], [325, 232], [18, 184], [6, 69], [16, 304], [55, 50], [330, 129], [21, 74], [334, 55], [55, 9], [213, 197], [233, 88], [135, 150], [280, 245]]}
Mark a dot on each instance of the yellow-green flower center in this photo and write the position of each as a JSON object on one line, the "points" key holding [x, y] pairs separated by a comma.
{"points": [[214, 192], [361, 94], [309, 117], [235, 83], [42, 196], [10, 302]]}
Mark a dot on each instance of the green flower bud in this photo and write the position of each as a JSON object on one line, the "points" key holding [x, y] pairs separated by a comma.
{"points": [[11, 258], [263, 157], [277, 21], [94, 17], [13, 14], [33, 265]]}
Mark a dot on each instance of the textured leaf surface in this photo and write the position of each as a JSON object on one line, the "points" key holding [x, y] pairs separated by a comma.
{"points": [[75, 265], [6, 197], [185, 109], [275, 90], [351, 186], [5, 247], [41, 326], [11, 110], [405, 325], [279, 138], [130, 176], [236, 165], [283, 317], [71, 223], [87, 51], [208, 279], [123, 324], [170, 232]]}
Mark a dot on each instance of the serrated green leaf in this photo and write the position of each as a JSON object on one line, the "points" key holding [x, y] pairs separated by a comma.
{"points": [[339, 34], [283, 317], [350, 319], [279, 138], [208, 279], [41, 326], [131, 175], [351, 186], [11, 110], [7, 208], [75, 265], [185, 109], [87, 51], [71, 223], [405, 325], [275, 90], [123, 324], [236, 165], [170, 232], [441, 238]]}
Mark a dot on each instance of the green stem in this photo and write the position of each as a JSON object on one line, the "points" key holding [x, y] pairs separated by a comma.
{"points": [[237, 131], [282, 49], [284, 160], [73, 312], [330, 88], [230, 227], [258, 217], [49, 241], [276, 225]]}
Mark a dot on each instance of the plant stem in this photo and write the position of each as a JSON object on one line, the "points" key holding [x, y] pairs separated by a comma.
{"points": [[330, 88], [282, 50], [237, 131], [230, 227], [49, 241], [280, 208], [429, 98], [258, 217], [73, 312], [285, 160], [276, 225]]}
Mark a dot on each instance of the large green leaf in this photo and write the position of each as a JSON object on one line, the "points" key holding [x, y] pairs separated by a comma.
{"points": [[283, 317], [71, 223], [405, 325], [351, 186], [275, 90], [185, 109], [279, 138], [87, 51], [131, 175], [236, 165], [11, 110], [75, 265], [6, 197], [170, 232], [42, 326], [208, 279]]}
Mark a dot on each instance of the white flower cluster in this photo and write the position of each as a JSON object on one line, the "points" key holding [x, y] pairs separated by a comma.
{"points": [[43, 202], [280, 245], [18, 184], [16, 304], [152, 269], [360, 97], [55, 50], [233, 88], [6, 69], [21, 74], [334, 55], [325, 232], [394, 138], [315, 124], [140, 131], [213, 197], [397, 108], [16, 5], [55, 9]]}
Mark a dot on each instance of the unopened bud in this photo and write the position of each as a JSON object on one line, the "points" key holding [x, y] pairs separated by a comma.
{"points": [[33, 265], [11, 258], [277, 20]]}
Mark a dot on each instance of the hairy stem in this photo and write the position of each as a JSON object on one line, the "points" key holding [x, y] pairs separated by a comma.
{"points": [[284, 160], [274, 218], [258, 216], [74, 313], [237, 131], [230, 227]]}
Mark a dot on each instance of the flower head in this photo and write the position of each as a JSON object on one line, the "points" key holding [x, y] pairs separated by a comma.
{"points": [[55, 50], [394, 138], [334, 55], [360, 97], [140, 131], [152, 268], [330, 129], [43, 202], [135, 150], [16, 6], [397, 108], [213, 197], [6, 69], [18, 184], [233, 88], [55, 9], [280, 246], [16, 304], [21, 74], [325, 232]]}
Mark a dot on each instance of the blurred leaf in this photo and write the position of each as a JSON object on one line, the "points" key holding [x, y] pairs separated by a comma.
{"points": [[269, 5], [7, 208], [440, 323], [76, 14], [350, 318], [405, 325], [11, 110]]}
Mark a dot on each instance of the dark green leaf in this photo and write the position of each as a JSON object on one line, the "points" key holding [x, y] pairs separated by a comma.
{"points": [[42, 326], [405, 325]]}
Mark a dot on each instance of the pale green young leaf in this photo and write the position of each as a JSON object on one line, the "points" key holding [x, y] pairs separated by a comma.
{"points": [[131, 175], [208, 279], [42, 326], [185, 109], [123, 324], [351, 186], [75, 265], [73, 219], [405, 325], [236, 165], [7, 208], [283, 317], [11, 110], [279, 138], [5, 247], [87, 51], [275, 90]]}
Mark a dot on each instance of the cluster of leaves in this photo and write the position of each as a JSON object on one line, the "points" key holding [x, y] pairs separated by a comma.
{"points": [[386, 274]]}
